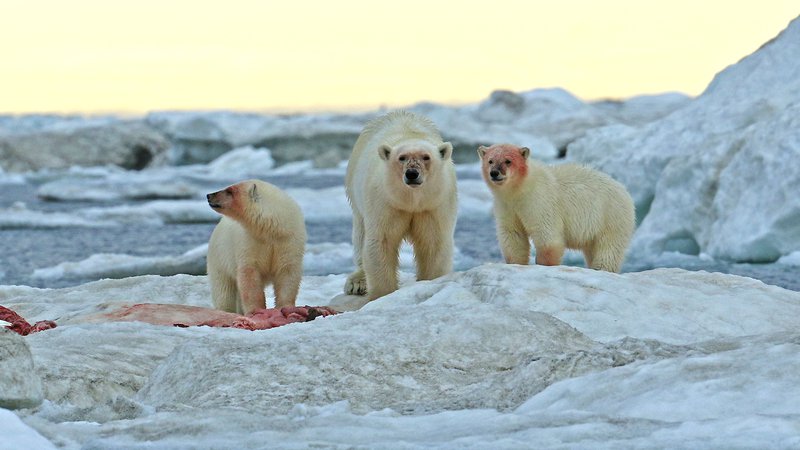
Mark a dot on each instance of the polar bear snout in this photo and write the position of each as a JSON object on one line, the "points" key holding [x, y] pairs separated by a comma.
{"points": [[413, 167], [212, 202], [497, 176], [412, 177], [220, 199]]}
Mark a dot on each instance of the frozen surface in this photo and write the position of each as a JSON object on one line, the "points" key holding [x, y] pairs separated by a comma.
{"points": [[317, 204], [718, 176], [792, 259], [16, 434], [110, 265], [500, 354], [319, 259]]}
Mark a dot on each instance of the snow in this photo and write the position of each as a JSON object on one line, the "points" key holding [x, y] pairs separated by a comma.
{"points": [[33, 123], [792, 259], [110, 265], [11, 178], [19, 216], [319, 259], [719, 175], [317, 204], [243, 160], [498, 355], [17, 435], [18, 387], [244, 129], [179, 182], [714, 366]]}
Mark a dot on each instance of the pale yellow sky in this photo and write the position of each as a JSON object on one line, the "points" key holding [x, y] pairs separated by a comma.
{"points": [[131, 56]]}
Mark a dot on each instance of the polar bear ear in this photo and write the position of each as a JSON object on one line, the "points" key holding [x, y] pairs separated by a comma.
{"points": [[384, 151], [253, 192], [525, 152], [445, 150], [482, 151]]}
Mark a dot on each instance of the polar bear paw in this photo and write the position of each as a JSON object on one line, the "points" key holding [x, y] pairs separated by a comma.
{"points": [[356, 283]]}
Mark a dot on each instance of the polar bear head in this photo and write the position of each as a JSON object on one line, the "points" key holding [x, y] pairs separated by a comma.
{"points": [[250, 201], [503, 164], [234, 199], [413, 162]]}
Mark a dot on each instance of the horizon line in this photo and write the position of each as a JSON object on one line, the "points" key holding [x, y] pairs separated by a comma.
{"points": [[324, 109]]}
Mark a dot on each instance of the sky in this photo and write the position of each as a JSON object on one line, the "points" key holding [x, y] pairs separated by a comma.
{"points": [[135, 56]]}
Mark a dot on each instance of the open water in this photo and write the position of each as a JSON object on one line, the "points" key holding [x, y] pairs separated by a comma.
{"points": [[27, 249]]}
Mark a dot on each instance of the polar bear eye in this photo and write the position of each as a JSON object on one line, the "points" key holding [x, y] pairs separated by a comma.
{"points": [[508, 162], [491, 161], [402, 158], [426, 158]]}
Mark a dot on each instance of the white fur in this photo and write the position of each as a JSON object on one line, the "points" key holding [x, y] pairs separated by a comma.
{"points": [[566, 206], [259, 240], [386, 210]]}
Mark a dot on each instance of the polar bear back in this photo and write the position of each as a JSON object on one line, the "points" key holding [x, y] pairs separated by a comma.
{"points": [[602, 204]]}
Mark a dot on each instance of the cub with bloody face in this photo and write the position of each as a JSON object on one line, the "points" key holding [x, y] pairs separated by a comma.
{"points": [[565, 206], [401, 184], [259, 240]]}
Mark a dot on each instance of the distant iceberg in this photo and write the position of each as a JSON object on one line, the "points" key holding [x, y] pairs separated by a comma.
{"points": [[720, 175]]}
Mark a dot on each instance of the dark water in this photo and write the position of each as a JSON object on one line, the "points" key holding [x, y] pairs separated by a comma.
{"points": [[25, 250]]}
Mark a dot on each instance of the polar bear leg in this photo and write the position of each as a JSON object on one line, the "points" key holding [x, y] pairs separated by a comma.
{"points": [[588, 255], [358, 239], [224, 294], [432, 238], [605, 255], [380, 258], [356, 283], [514, 244], [251, 289], [549, 254], [286, 286]]}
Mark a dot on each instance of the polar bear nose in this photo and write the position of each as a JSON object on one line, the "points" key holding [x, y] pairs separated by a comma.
{"points": [[412, 174], [494, 173]]}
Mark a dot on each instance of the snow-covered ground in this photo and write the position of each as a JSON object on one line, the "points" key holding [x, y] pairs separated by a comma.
{"points": [[491, 356], [497, 356]]}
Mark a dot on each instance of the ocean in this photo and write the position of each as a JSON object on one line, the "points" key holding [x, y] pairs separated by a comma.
{"points": [[28, 248]]}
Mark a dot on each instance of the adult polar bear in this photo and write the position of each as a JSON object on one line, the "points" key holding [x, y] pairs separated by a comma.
{"points": [[401, 184]]}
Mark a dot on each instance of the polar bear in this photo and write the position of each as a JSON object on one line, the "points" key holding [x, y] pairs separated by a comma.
{"points": [[401, 184], [565, 206], [259, 240]]}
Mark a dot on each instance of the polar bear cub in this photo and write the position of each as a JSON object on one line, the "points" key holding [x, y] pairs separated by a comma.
{"points": [[401, 184], [259, 240], [565, 206]]}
